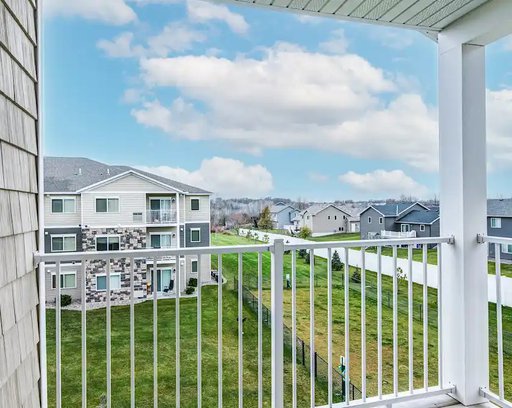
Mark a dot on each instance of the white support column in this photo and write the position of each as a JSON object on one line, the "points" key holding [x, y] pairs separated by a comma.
{"points": [[463, 214], [276, 282]]}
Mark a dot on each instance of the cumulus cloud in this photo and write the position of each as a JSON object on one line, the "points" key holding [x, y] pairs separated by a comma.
{"points": [[318, 177], [204, 11], [223, 176], [175, 37], [115, 12], [392, 183], [281, 101], [394, 38], [337, 44], [499, 129]]}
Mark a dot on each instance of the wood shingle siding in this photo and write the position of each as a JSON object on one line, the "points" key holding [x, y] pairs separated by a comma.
{"points": [[19, 336]]}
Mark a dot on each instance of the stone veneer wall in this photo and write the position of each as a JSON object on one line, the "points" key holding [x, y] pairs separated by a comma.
{"points": [[130, 238], [19, 332]]}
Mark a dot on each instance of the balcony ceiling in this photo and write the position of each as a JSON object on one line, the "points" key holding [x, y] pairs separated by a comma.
{"points": [[423, 15]]}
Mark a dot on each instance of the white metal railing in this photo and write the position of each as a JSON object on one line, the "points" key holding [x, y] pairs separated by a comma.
{"points": [[397, 234], [161, 216], [497, 395], [277, 250]]}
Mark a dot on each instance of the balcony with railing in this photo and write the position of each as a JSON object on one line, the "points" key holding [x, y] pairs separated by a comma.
{"points": [[397, 234], [275, 331], [161, 217]]}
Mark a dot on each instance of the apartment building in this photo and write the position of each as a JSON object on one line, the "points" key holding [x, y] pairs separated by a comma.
{"points": [[92, 206]]}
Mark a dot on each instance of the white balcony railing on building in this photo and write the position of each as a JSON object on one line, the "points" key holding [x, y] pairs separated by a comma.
{"points": [[161, 216], [376, 361], [397, 234]]}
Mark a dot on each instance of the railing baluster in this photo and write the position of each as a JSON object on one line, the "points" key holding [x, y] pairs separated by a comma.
{"points": [[109, 337], [83, 294], [379, 321], [240, 334], [363, 323], [347, 327], [132, 332], [410, 283], [219, 330], [312, 360], [277, 321], [58, 352], [260, 331], [395, 322], [439, 315], [178, 330], [199, 334], [294, 329], [499, 320], [329, 324], [155, 331], [425, 319]]}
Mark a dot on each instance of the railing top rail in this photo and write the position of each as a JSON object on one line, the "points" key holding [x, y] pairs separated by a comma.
{"points": [[495, 240], [369, 243], [148, 253]]}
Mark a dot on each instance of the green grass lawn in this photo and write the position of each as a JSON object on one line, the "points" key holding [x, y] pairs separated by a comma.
{"points": [[96, 355], [302, 270], [346, 236]]}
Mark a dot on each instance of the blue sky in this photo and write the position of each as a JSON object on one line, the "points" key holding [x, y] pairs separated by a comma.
{"points": [[251, 102]]}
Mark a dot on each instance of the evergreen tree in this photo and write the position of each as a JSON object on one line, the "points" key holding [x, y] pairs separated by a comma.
{"points": [[302, 253], [265, 221], [336, 263]]}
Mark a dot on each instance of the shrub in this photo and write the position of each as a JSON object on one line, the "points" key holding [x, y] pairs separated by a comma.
{"points": [[266, 238], [304, 233], [192, 282], [189, 290], [302, 253], [356, 276], [65, 300]]}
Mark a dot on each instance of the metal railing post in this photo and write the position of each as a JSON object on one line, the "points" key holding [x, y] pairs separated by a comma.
{"points": [[276, 282]]}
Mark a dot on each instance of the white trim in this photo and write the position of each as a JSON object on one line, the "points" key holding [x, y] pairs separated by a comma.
{"points": [[417, 202], [499, 222], [504, 248], [170, 233], [369, 219], [195, 229], [107, 198], [108, 240], [73, 198], [381, 220], [198, 202], [112, 274], [62, 236], [407, 229], [62, 273], [422, 228], [367, 208], [417, 223]]}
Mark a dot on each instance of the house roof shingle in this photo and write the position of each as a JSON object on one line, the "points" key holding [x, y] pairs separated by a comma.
{"points": [[71, 174], [391, 210], [419, 217], [501, 207]]}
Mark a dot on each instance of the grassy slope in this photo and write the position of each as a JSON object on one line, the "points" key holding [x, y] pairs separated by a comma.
{"points": [[96, 346], [250, 268]]}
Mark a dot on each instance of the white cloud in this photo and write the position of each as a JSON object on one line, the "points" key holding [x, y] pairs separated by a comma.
{"points": [[384, 183], [394, 38], [307, 19], [175, 37], [203, 11], [499, 129], [318, 177], [115, 12], [337, 44], [291, 98], [224, 177]]}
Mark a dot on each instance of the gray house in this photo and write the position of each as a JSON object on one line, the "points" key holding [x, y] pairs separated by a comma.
{"points": [[282, 215], [398, 220], [499, 224]]}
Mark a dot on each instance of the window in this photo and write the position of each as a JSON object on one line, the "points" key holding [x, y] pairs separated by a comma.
{"points": [[194, 204], [107, 243], [161, 240], [137, 217], [63, 205], [506, 249], [422, 228], [195, 235], [107, 205], [63, 243], [101, 282], [495, 222], [335, 217], [328, 217], [369, 220], [381, 220], [405, 228], [67, 280], [194, 266]]}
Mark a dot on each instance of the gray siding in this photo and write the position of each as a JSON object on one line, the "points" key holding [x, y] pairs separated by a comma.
{"points": [[504, 231], [19, 369], [205, 235], [48, 232], [374, 226]]}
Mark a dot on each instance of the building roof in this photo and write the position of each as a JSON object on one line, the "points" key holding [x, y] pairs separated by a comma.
{"points": [[71, 174], [316, 208], [392, 210], [500, 207], [419, 217], [277, 208]]}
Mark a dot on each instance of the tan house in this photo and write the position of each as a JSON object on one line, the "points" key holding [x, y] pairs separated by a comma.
{"points": [[323, 219]]}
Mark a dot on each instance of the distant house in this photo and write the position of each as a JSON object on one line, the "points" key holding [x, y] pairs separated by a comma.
{"points": [[399, 220], [323, 219], [282, 215], [499, 224], [354, 209]]}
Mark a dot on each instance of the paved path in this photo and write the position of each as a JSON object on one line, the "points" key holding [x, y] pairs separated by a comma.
{"points": [[354, 259]]}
